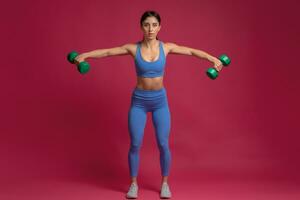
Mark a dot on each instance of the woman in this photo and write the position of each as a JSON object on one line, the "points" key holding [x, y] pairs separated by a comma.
{"points": [[149, 94]]}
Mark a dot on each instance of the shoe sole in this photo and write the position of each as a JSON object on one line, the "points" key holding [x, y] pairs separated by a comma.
{"points": [[128, 197], [165, 197]]}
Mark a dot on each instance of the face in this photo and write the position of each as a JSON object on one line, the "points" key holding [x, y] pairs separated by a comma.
{"points": [[150, 27]]}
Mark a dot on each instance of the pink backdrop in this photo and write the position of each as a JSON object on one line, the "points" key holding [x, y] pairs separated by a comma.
{"points": [[56, 122]]}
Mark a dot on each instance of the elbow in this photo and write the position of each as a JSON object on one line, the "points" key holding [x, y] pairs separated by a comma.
{"points": [[107, 52], [192, 52]]}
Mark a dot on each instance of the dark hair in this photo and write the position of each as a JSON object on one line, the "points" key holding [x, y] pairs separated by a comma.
{"points": [[150, 13]]}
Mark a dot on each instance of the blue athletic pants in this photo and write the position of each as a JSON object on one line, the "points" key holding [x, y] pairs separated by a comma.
{"points": [[156, 102]]}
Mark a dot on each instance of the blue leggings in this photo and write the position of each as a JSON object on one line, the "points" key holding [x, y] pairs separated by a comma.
{"points": [[143, 101]]}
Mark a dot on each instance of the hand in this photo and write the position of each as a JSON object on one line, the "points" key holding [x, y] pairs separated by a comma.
{"points": [[78, 59], [217, 64]]}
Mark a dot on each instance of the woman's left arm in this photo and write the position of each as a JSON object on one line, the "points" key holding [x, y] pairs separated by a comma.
{"points": [[173, 48]]}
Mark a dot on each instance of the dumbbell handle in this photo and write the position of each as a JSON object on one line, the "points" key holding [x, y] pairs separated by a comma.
{"points": [[83, 67], [212, 72]]}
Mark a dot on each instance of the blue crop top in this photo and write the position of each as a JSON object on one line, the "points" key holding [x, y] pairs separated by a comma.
{"points": [[150, 69]]}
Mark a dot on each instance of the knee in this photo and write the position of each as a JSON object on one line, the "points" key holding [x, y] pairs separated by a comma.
{"points": [[134, 147], [163, 146]]}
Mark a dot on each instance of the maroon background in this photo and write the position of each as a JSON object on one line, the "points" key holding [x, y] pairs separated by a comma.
{"points": [[56, 122]]}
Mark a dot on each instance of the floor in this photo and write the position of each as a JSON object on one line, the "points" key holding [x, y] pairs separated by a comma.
{"points": [[206, 188]]}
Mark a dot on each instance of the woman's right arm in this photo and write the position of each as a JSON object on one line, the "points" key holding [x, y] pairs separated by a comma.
{"points": [[99, 53]]}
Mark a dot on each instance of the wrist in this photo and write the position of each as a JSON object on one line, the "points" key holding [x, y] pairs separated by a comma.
{"points": [[211, 58], [85, 55]]}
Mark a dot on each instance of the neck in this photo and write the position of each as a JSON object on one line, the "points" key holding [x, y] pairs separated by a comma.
{"points": [[150, 43]]}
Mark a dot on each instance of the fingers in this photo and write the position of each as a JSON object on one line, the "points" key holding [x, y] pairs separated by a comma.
{"points": [[218, 67], [78, 60]]}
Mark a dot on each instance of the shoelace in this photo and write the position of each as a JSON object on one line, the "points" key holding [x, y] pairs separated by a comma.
{"points": [[165, 189], [165, 185], [133, 188]]}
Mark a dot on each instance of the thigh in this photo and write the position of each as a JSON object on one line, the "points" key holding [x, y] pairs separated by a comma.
{"points": [[162, 122], [136, 124]]}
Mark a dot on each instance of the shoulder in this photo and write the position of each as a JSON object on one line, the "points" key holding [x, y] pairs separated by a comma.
{"points": [[174, 48], [130, 47], [169, 46]]}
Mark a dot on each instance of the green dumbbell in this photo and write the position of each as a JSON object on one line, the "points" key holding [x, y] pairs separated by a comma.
{"points": [[82, 67], [212, 72]]}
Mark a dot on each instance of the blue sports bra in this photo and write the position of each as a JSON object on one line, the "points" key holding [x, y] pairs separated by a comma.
{"points": [[150, 69]]}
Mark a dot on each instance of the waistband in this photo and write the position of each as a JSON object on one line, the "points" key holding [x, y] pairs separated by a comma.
{"points": [[138, 91]]}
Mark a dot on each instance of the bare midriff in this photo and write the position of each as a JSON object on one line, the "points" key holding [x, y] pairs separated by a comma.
{"points": [[154, 83]]}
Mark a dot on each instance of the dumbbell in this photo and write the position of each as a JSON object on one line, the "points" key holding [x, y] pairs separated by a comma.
{"points": [[212, 72], [83, 67]]}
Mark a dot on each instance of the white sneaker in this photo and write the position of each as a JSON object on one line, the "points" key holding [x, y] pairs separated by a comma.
{"points": [[133, 191], [165, 191]]}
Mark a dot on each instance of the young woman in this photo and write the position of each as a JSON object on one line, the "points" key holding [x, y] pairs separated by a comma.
{"points": [[149, 94]]}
